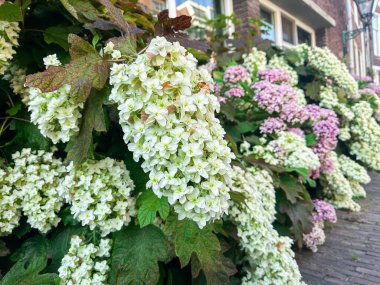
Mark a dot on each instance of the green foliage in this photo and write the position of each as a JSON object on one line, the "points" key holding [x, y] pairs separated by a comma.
{"points": [[10, 12], [59, 34], [149, 205], [136, 255], [31, 259], [202, 247], [93, 119]]}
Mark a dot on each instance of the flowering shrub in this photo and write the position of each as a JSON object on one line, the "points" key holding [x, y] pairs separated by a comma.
{"points": [[8, 41], [269, 256], [85, 263], [167, 115]]}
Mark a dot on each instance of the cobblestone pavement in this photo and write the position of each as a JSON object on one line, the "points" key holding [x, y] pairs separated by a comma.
{"points": [[351, 254]]}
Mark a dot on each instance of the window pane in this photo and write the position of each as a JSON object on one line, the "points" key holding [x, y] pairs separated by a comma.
{"points": [[153, 6], [287, 30], [267, 33], [200, 11], [303, 36]]}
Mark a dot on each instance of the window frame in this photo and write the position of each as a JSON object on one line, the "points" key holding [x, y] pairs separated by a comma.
{"points": [[376, 35], [278, 13]]}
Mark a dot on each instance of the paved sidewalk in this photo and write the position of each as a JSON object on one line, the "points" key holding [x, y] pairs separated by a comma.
{"points": [[351, 254]]}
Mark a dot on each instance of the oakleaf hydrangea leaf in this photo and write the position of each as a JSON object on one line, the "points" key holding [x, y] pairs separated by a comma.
{"points": [[135, 255], [86, 69], [150, 204]]}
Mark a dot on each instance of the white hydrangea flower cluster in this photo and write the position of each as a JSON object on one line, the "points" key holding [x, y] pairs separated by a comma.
{"points": [[279, 62], [337, 187], [10, 206], [325, 62], [100, 194], [358, 191], [167, 115], [51, 60], [365, 133], [8, 40], [329, 99], [55, 113], [17, 77], [255, 61], [37, 176], [288, 150], [269, 255], [85, 264], [344, 133], [353, 171]]}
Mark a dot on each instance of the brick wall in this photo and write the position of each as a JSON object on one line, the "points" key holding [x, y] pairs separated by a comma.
{"points": [[332, 37], [245, 9]]}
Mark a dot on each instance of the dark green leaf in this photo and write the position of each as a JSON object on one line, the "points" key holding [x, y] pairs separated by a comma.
{"points": [[135, 255], [292, 188], [149, 205], [10, 12], [4, 251], [60, 244], [31, 259], [59, 34], [82, 10], [93, 119], [202, 247], [311, 140], [313, 89], [14, 110]]}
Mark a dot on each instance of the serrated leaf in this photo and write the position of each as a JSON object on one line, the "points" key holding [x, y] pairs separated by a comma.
{"points": [[126, 45], [82, 10], [135, 255], [93, 119], [116, 16], [291, 187], [10, 12], [86, 69], [190, 240], [59, 35], [31, 259], [299, 214], [172, 29], [149, 205]]}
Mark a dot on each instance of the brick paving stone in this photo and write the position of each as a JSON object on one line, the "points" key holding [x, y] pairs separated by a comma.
{"points": [[351, 253]]}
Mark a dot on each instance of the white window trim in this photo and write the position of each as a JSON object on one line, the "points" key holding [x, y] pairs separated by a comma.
{"points": [[277, 14], [376, 43], [376, 70]]}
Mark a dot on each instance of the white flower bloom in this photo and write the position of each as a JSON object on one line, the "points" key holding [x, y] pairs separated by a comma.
{"points": [[55, 113], [51, 60], [37, 177], [167, 115], [10, 205], [269, 255], [288, 150], [255, 61], [353, 170], [85, 263], [8, 40], [337, 188], [100, 194], [17, 77]]}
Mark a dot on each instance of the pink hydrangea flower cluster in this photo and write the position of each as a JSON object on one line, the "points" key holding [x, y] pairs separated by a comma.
{"points": [[235, 92], [297, 131], [275, 95], [272, 125], [275, 76], [324, 212], [375, 88], [279, 98], [235, 73], [325, 125]]}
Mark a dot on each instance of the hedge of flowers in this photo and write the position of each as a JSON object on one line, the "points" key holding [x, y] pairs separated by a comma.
{"points": [[124, 162]]}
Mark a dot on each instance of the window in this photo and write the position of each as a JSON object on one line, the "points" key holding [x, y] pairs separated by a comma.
{"points": [[267, 32], [287, 30], [376, 35], [153, 6], [303, 36]]}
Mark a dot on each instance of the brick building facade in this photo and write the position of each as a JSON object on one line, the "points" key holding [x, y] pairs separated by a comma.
{"points": [[375, 43], [315, 22]]}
